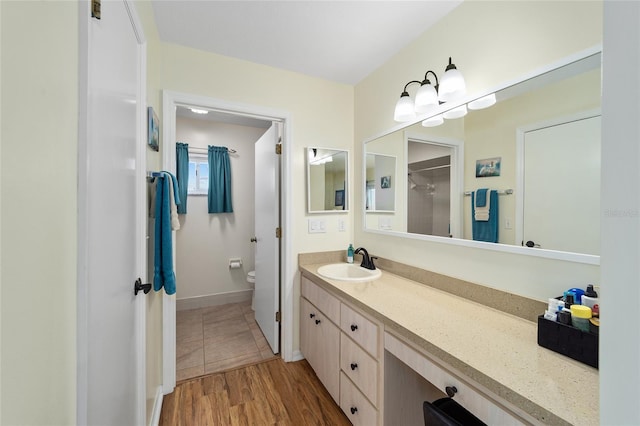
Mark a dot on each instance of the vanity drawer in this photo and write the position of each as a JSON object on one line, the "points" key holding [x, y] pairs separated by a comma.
{"points": [[355, 405], [321, 299], [359, 367], [360, 329]]}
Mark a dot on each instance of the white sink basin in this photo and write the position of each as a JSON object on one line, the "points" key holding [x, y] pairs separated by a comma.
{"points": [[348, 272]]}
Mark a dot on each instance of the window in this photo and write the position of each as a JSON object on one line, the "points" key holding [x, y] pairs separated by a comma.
{"points": [[198, 176]]}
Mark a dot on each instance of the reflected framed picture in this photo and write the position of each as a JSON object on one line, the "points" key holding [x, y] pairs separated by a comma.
{"points": [[153, 129], [385, 182], [488, 167], [339, 197]]}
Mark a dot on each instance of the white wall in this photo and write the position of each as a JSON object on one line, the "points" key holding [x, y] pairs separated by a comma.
{"points": [[620, 250], [205, 242], [39, 137], [510, 39], [321, 115]]}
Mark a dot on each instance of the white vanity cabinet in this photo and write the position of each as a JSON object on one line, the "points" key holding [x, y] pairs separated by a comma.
{"points": [[320, 335], [343, 347]]}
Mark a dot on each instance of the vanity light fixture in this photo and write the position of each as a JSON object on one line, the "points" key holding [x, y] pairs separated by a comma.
{"points": [[199, 111], [428, 96]]}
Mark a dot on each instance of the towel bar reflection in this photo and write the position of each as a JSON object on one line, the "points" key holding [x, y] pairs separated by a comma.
{"points": [[500, 192]]}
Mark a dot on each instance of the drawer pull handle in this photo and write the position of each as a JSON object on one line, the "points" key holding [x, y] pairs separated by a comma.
{"points": [[354, 366], [312, 315], [354, 410], [451, 391], [354, 327], [318, 322]]}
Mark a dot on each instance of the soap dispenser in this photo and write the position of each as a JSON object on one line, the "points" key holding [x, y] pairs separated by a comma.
{"points": [[350, 254]]}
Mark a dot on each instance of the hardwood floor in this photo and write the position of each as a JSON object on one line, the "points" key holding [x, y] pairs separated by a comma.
{"points": [[268, 393]]}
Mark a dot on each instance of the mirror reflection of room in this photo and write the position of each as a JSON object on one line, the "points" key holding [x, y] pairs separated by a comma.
{"points": [[429, 188], [327, 176], [558, 100]]}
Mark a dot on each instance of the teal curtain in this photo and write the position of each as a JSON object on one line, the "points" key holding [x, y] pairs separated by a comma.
{"points": [[219, 180], [182, 169]]}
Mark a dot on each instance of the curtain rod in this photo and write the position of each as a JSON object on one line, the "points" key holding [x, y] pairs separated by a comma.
{"points": [[195, 148]]}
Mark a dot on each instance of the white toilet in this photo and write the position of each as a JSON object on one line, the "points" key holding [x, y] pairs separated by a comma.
{"points": [[251, 278]]}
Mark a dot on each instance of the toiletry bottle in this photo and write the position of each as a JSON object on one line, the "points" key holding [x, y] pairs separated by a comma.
{"points": [[591, 300], [350, 254]]}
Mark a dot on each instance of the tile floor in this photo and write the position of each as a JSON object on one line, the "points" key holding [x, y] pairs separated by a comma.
{"points": [[217, 338]]}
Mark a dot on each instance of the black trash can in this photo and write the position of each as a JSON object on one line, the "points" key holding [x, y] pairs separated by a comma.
{"points": [[447, 412]]}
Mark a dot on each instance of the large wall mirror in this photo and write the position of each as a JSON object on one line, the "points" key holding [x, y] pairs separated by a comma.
{"points": [[538, 147], [327, 177]]}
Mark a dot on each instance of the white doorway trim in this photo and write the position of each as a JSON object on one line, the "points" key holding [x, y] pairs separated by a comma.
{"points": [[170, 101]]}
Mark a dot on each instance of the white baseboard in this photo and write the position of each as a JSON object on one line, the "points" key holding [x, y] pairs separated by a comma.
{"points": [[297, 356], [213, 300], [157, 408]]}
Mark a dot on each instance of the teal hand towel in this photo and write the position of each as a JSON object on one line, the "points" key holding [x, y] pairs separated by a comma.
{"points": [[481, 197]]}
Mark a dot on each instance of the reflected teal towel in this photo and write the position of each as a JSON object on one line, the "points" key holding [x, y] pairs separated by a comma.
{"points": [[481, 197], [163, 275], [485, 230]]}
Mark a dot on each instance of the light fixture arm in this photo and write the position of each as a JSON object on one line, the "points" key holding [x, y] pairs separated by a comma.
{"points": [[426, 79], [404, 92]]}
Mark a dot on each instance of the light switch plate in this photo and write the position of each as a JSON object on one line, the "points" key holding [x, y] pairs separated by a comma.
{"points": [[317, 226]]}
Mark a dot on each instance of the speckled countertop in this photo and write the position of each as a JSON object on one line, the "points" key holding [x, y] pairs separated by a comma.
{"points": [[497, 350]]}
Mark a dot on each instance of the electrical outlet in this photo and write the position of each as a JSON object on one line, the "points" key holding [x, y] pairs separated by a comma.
{"points": [[341, 225], [507, 223]]}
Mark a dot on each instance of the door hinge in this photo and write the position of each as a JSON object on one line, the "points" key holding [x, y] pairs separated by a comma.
{"points": [[278, 148], [95, 9], [278, 316], [278, 232]]}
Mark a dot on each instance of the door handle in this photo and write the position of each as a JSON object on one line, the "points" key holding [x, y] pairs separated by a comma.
{"points": [[138, 286]]}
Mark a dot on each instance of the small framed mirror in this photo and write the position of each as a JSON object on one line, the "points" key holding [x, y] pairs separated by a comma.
{"points": [[327, 177]]}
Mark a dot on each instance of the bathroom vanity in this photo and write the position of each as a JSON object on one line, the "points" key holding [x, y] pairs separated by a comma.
{"points": [[383, 347]]}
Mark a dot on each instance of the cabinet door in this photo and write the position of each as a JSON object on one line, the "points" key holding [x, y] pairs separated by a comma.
{"points": [[320, 344], [308, 338]]}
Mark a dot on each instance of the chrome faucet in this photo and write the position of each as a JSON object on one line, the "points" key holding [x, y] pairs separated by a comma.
{"points": [[367, 262]]}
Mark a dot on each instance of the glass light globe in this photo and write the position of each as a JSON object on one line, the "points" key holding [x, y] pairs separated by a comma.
{"points": [[426, 98], [404, 108], [458, 112], [483, 102], [433, 121]]}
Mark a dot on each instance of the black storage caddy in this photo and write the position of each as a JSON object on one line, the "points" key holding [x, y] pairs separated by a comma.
{"points": [[568, 340]]}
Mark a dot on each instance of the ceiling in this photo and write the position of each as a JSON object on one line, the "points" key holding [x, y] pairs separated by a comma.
{"points": [[341, 41]]}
